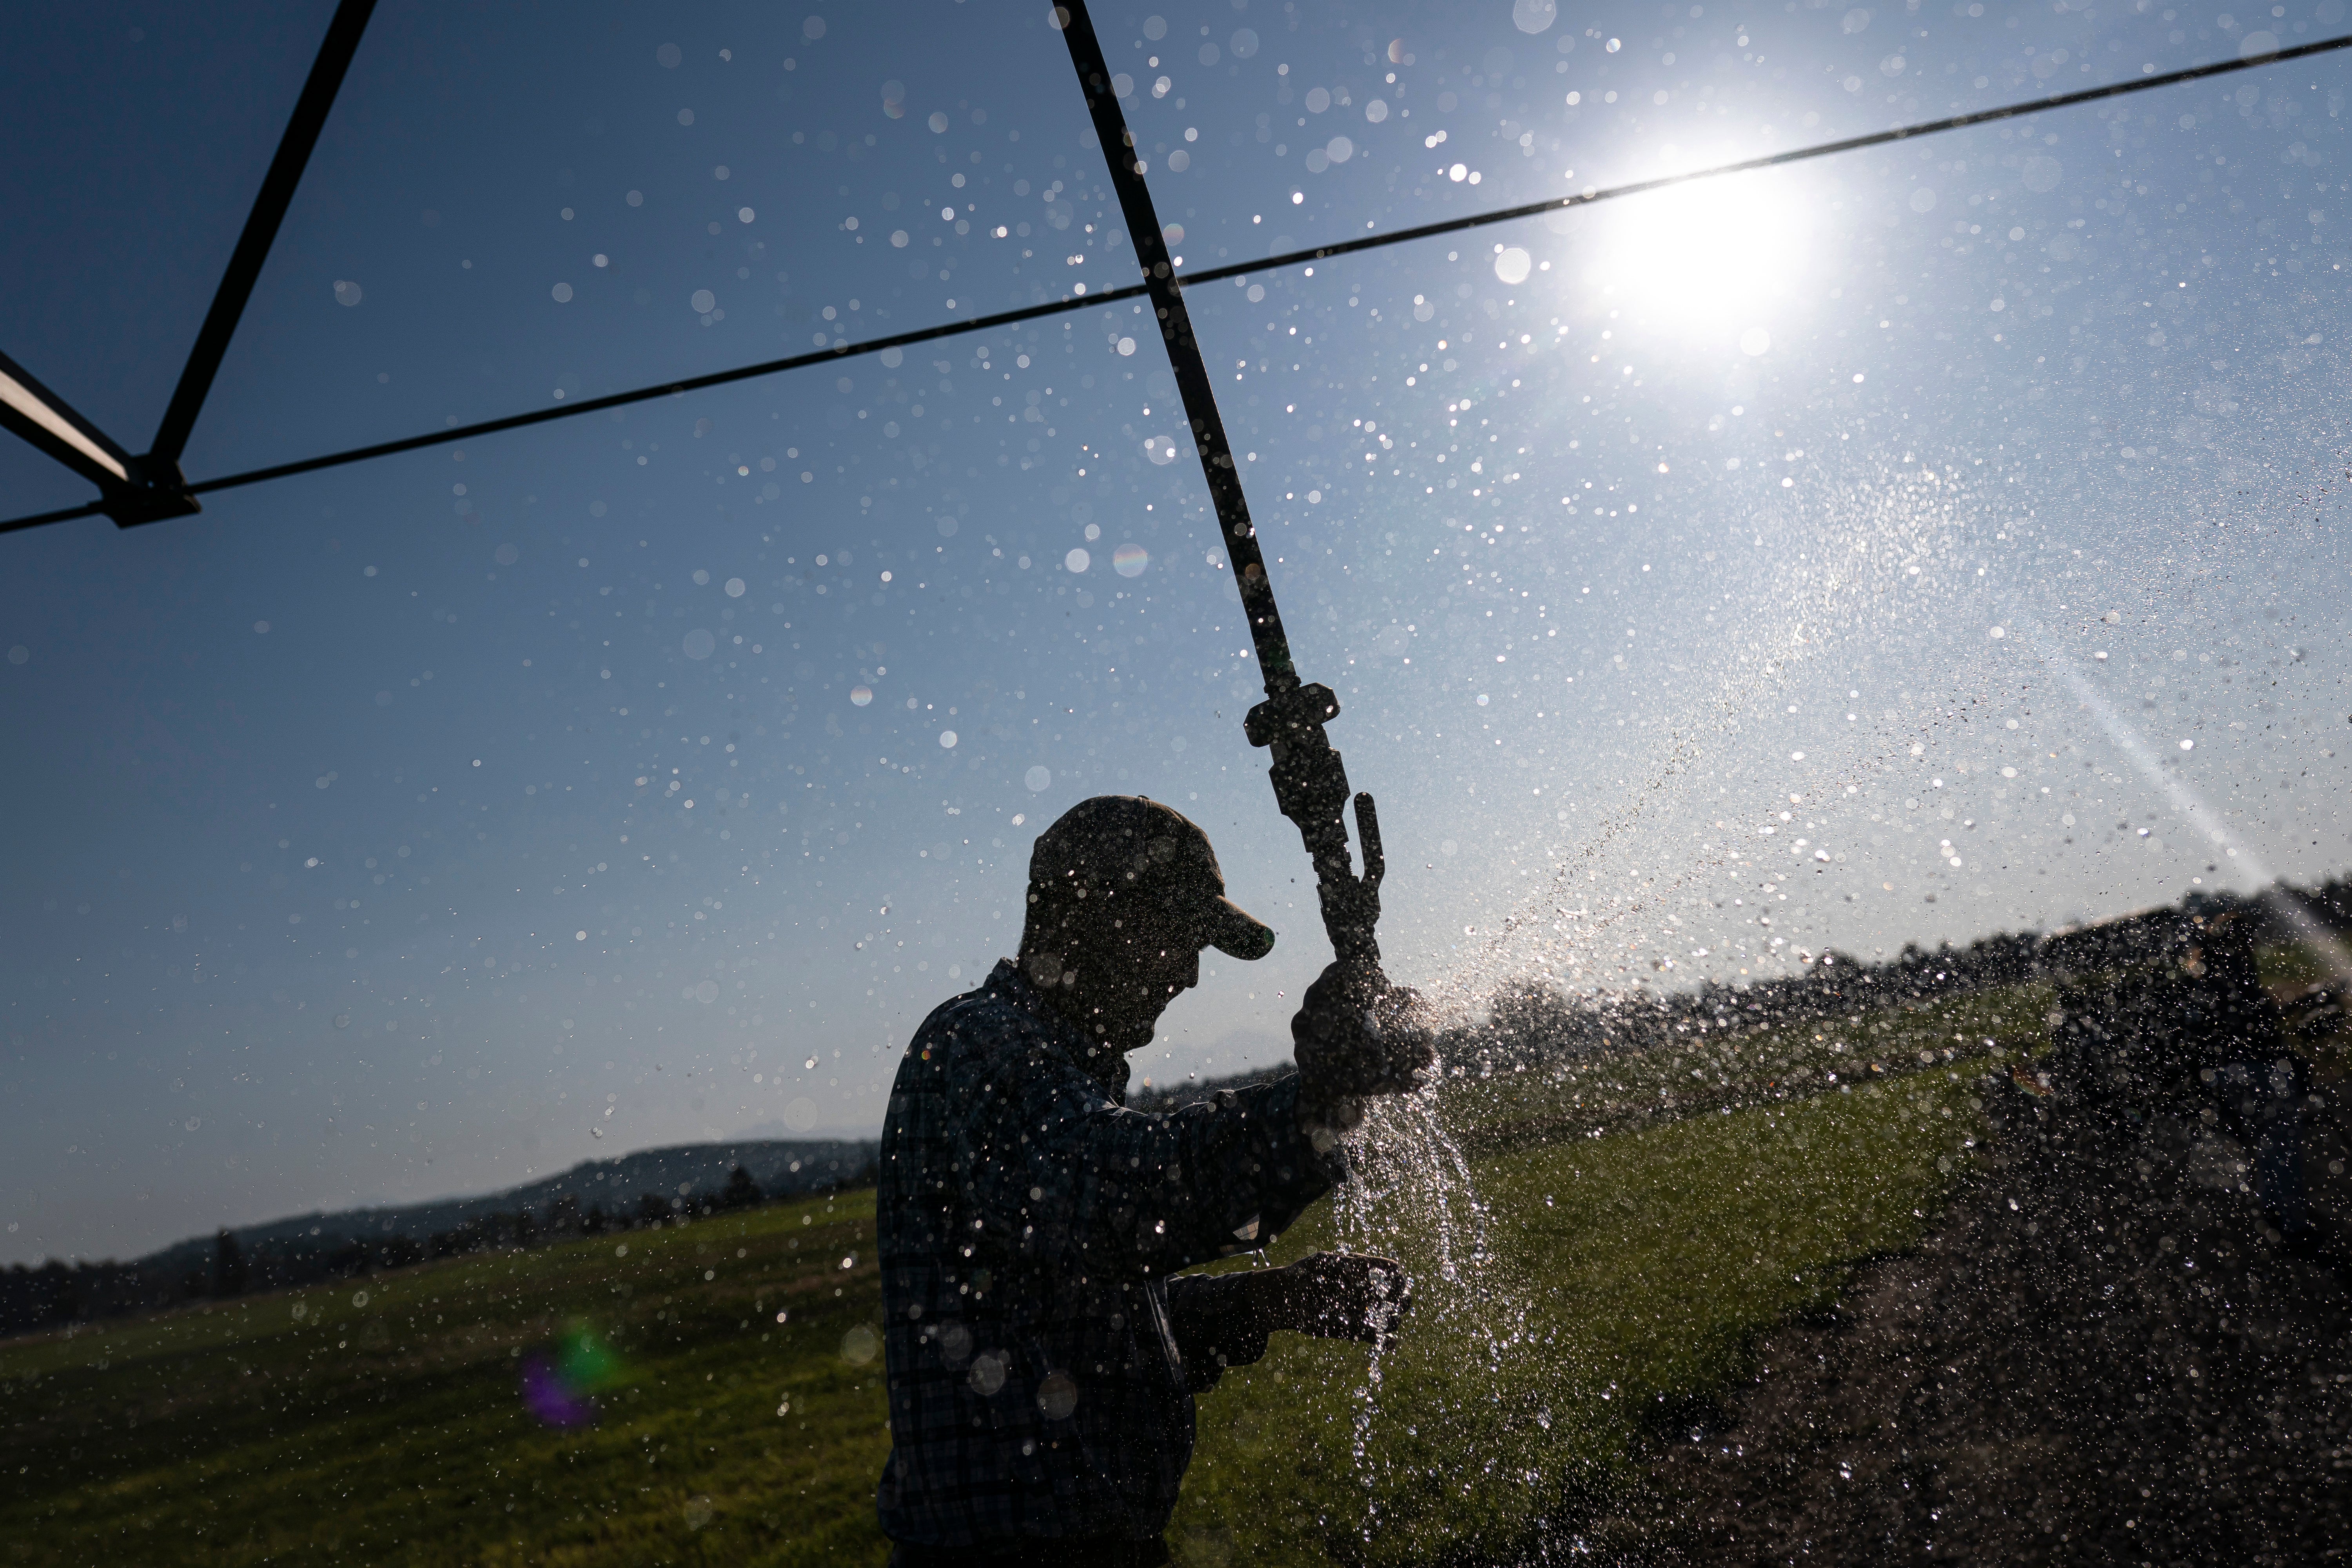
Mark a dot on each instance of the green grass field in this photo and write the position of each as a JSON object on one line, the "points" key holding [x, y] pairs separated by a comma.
{"points": [[384, 1421], [1630, 1274], [1718, 1067]]}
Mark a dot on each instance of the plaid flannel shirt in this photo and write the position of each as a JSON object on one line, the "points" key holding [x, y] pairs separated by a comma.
{"points": [[1042, 1361]]}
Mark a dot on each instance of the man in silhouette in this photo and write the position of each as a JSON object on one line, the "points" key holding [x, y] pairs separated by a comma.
{"points": [[1043, 1347]]}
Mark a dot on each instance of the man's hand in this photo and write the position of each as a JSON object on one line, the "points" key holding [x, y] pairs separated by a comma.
{"points": [[1222, 1320], [1334, 1296], [1355, 1035]]}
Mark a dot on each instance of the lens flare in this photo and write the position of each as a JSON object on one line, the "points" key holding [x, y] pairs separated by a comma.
{"points": [[560, 1384]]}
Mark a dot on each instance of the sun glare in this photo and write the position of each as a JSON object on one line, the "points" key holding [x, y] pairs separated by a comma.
{"points": [[1721, 258]]}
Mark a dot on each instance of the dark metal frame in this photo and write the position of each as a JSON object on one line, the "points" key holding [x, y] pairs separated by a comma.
{"points": [[181, 491], [150, 487], [56, 446]]}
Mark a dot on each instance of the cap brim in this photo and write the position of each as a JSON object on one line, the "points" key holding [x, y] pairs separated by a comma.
{"points": [[1234, 932]]}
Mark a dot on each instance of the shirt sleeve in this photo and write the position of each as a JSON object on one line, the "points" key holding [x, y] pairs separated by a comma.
{"points": [[1074, 1181], [1216, 1324]]}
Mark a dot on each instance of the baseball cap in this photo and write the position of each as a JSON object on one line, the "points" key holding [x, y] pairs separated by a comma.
{"points": [[1125, 846]]}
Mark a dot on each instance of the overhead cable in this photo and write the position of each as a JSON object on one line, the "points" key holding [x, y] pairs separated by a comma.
{"points": [[1078, 301]]}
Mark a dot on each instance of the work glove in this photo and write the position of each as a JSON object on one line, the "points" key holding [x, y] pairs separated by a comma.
{"points": [[1334, 1296], [1224, 1320], [1356, 1035]]}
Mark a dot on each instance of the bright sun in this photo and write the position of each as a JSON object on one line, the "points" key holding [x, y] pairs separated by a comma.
{"points": [[1718, 257]]}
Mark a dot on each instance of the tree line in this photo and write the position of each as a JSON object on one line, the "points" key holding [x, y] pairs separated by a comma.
{"points": [[1529, 1021], [56, 1293], [1535, 1019]]}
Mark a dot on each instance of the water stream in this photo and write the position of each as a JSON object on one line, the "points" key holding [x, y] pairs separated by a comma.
{"points": [[1410, 1195]]}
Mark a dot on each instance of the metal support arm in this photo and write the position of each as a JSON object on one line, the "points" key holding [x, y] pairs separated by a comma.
{"points": [[1310, 783]]}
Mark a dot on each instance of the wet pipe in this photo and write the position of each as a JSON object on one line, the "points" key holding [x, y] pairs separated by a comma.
{"points": [[1310, 784]]}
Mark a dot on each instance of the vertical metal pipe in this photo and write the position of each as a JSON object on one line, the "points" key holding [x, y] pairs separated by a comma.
{"points": [[1166, 296], [1310, 783]]}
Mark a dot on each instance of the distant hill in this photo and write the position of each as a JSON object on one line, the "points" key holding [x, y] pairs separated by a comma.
{"points": [[783, 1168]]}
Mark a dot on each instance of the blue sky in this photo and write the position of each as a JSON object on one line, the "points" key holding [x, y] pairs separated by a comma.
{"points": [[356, 856]]}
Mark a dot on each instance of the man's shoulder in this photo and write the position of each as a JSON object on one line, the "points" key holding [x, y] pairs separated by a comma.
{"points": [[997, 1016], [991, 1024]]}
